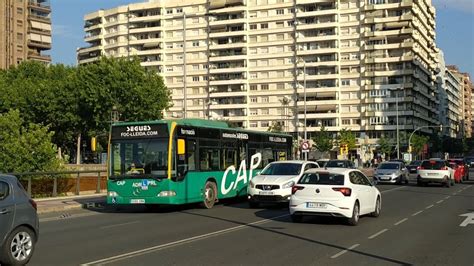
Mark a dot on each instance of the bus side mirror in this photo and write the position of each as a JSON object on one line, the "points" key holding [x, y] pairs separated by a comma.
{"points": [[181, 147]]}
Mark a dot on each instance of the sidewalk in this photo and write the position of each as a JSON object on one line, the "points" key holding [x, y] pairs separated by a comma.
{"points": [[60, 204]]}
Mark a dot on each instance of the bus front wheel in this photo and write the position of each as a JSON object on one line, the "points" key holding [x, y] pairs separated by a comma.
{"points": [[210, 195]]}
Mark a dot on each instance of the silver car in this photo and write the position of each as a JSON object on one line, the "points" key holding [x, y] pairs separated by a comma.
{"points": [[19, 225], [392, 172]]}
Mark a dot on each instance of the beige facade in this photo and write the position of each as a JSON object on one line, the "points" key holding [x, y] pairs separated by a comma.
{"points": [[248, 61], [466, 100], [25, 31]]}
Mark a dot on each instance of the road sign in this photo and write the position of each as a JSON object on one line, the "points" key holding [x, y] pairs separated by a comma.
{"points": [[469, 219], [305, 146]]}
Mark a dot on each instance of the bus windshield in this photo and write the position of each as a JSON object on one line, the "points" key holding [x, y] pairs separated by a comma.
{"points": [[139, 158]]}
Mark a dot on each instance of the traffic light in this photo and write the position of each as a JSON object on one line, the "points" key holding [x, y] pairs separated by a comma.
{"points": [[93, 144], [343, 149], [346, 149]]}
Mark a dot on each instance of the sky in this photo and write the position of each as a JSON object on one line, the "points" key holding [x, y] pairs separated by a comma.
{"points": [[454, 28]]}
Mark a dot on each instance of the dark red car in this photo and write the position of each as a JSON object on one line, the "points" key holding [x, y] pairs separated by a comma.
{"points": [[458, 171], [464, 168]]}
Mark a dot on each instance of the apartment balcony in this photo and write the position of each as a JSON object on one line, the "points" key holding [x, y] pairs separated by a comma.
{"points": [[216, 46], [39, 57], [92, 37], [393, 59], [301, 38], [43, 19], [316, 51], [316, 25], [42, 6], [386, 33], [214, 34], [388, 20], [145, 29], [227, 94], [220, 23], [41, 44], [308, 2], [231, 56], [147, 42], [303, 14], [227, 69], [318, 76], [388, 46], [145, 18], [220, 105], [389, 4]]}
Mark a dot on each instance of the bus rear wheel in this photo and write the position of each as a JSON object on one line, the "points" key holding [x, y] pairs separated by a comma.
{"points": [[210, 195]]}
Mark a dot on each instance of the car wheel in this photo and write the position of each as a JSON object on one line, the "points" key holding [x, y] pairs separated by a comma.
{"points": [[19, 247], [452, 182], [447, 183], [210, 195], [296, 218], [419, 183], [354, 220], [406, 180], [253, 204], [378, 208]]}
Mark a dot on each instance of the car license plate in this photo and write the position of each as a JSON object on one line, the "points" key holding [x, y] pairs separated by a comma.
{"points": [[384, 178], [432, 173], [266, 193], [137, 201], [316, 205]]}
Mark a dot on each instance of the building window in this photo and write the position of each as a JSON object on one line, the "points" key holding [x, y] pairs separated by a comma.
{"points": [[264, 87], [280, 24], [19, 23], [280, 11], [253, 112], [253, 26], [195, 43], [195, 78], [169, 46], [19, 37], [253, 87], [264, 26], [264, 124], [253, 99], [19, 11], [346, 121], [345, 82], [179, 10], [280, 86], [264, 112], [265, 99], [253, 75], [169, 11], [253, 124]]}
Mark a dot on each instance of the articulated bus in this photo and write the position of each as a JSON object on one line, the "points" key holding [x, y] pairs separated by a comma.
{"points": [[186, 161]]}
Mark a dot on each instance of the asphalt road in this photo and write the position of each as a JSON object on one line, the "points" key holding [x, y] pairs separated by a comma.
{"points": [[418, 225]]}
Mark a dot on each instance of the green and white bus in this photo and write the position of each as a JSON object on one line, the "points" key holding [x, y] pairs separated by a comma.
{"points": [[186, 161]]}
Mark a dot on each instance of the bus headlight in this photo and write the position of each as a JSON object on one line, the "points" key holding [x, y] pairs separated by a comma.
{"points": [[167, 193], [112, 194], [288, 184]]}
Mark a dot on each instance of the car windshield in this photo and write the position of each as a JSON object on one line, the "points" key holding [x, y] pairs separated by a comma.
{"points": [[336, 164], [433, 165], [391, 166], [322, 179], [416, 163], [282, 169]]}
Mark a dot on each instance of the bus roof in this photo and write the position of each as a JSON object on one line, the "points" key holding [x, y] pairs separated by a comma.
{"points": [[196, 122]]}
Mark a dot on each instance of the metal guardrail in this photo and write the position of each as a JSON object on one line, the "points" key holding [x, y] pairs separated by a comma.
{"points": [[56, 174]]}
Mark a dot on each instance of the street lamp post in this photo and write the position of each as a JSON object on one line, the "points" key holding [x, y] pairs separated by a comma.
{"points": [[398, 128], [304, 92]]}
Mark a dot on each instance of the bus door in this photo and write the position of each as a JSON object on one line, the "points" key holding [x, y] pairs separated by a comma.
{"points": [[186, 157]]}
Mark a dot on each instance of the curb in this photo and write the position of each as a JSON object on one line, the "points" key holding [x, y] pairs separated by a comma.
{"points": [[68, 203], [98, 195]]}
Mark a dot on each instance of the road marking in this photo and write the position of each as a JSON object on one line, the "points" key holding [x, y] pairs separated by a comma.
{"points": [[377, 234], [416, 213], [469, 219], [345, 251], [401, 221], [115, 225], [459, 191], [51, 219], [431, 206], [439, 201], [391, 189], [178, 242], [447, 197]]}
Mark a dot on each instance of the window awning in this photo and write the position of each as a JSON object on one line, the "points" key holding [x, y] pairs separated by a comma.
{"points": [[46, 39], [35, 37], [36, 25], [46, 27], [151, 44]]}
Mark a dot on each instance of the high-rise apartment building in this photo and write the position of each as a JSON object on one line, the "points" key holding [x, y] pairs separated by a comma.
{"points": [[466, 100], [450, 90], [344, 63], [25, 31]]}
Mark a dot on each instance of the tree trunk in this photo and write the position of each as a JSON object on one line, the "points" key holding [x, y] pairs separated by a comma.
{"points": [[78, 151]]}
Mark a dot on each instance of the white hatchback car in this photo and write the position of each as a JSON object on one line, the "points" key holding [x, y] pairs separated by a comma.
{"points": [[346, 193], [273, 184], [435, 171]]}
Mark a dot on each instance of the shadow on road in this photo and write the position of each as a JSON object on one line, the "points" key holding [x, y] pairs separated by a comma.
{"points": [[285, 219]]}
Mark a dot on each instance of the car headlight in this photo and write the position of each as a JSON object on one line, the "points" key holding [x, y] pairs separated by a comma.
{"points": [[394, 175], [251, 184], [288, 184], [112, 194]]}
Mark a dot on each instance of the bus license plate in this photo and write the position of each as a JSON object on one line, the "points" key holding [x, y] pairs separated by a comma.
{"points": [[137, 201], [316, 205], [266, 193]]}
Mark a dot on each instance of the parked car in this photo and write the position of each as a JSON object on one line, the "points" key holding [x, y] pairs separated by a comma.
{"points": [[339, 164], [273, 184], [413, 166], [19, 225], [435, 171], [322, 162], [337, 192], [458, 171], [464, 168], [469, 161], [392, 172]]}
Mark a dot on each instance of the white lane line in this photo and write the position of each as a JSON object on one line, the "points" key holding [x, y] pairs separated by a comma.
{"points": [[401, 221], [176, 243], [345, 251], [439, 201], [116, 225], [377, 234], [416, 213], [431, 206], [391, 189], [447, 197], [459, 191]]}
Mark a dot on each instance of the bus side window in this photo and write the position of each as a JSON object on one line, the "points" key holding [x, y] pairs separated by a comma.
{"points": [[191, 153], [210, 159]]}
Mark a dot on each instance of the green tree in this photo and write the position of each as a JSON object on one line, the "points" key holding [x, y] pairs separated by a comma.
{"points": [[418, 142], [323, 140], [386, 146], [275, 127], [346, 137], [25, 148]]}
